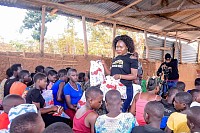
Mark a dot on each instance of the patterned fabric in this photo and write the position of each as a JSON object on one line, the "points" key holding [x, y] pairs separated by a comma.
{"points": [[19, 110], [123, 123], [97, 75]]}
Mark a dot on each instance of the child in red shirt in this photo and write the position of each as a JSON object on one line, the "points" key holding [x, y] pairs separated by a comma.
{"points": [[85, 117], [8, 102]]}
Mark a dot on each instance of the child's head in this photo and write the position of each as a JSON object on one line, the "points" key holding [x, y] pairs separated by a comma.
{"points": [[180, 85], [153, 85], [52, 76], [172, 93], [46, 70], [9, 73], [72, 74], [94, 97], [58, 127], [62, 74], [153, 112], [182, 101], [30, 122], [16, 68], [11, 101], [197, 83], [87, 76], [25, 76], [39, 68], [81, 77], [193, 119], [195, 95], [113, 100], [40, 80]]}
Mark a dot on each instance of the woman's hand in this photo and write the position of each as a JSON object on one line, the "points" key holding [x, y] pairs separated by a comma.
{"points": [[54, 108], [117, 76]]}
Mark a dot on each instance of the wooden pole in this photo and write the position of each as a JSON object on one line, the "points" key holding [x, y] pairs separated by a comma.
{"points": [[117, 12], [114, 34], [184, 29], [175, 47], [85, 36], [198, 60], [181, 51], [146, 45], [164, 45], [42, 31]]}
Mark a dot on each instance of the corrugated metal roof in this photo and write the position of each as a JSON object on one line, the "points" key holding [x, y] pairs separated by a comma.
{"points": [[155, 23]]}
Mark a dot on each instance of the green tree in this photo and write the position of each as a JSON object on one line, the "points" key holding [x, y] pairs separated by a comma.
{"points": [[33, 20]]}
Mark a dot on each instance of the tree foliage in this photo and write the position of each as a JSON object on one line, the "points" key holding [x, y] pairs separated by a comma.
{"points": [[33, 20]]}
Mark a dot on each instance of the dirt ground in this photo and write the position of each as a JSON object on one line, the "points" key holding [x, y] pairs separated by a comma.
{"points": [[30, 60]]}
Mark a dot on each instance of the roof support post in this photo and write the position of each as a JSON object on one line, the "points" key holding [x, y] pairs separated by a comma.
{"points": [[42, 31], [164, 45], [146, 45], [85, 36], [114, 34], [181, 51], [198, 60]]}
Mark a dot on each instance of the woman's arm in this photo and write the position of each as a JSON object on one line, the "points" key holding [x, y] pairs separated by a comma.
{"points": [[92, 119], [60, 92], [107, 70], [131, 76], [68, 101]]}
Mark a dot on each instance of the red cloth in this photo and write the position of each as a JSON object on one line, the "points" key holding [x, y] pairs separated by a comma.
{"points": [[71, 113], [79, 124], [4, 121]]}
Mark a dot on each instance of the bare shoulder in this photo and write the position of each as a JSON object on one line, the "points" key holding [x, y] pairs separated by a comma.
{"points": [[92, 115]]}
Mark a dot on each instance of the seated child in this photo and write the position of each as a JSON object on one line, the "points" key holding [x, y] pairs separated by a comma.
{"points": [[168, 106], [52, 78], [193, 119], [58, 127], [196, 97], [114, 121], [30, 122], [141, 99], [18, 87], [34, 96], [85, 117], [177, 122], [8, 102], [180, 85], [57, 88], [153, 113]]}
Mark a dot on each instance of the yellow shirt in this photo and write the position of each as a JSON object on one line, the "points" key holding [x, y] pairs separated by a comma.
{"points": [[178, 123]]}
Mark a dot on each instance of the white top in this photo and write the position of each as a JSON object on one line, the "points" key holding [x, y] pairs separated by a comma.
{"points": [[194, 104]]}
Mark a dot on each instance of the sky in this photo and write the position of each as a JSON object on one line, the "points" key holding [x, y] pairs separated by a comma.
{"points": [[12, 20]]}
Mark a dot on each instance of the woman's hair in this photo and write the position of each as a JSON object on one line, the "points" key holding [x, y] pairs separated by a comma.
{"points": [[127, 40], [153, 82]]}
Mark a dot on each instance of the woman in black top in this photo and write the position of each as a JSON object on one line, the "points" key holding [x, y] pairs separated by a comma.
{"points": [[124, 66]]}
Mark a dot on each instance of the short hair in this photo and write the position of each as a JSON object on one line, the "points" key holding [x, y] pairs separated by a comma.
{"points": [[197, 82], [127, 40], [52, 72], [180, 85], [184, 97], [173, 91], [62, 72], [68, 68], [23, 73], [152, 84], [154, 109], [58, 127], [113, 97], [194, 92], [14, 67], [9, 72], [81, 76], [70, 71], [25, 123], [167, 56], [39, 68], [92, 92], [38, 76], [193, 117]]}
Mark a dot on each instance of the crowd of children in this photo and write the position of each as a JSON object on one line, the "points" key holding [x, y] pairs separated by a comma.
{"points": [[49, 101]]}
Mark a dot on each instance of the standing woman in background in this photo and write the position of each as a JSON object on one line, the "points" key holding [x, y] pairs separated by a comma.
{"points": [[124, 66]]}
